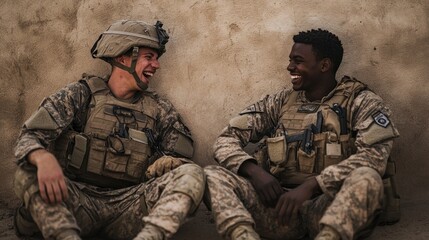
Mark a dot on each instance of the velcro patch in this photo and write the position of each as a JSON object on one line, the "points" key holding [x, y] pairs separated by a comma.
{"points": [[308, 108], [240, 122], [41, 120], [381, 119], [376, 133]]}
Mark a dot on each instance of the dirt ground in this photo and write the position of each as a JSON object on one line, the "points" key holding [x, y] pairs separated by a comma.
{"points": [[223, 56], [414, 224]]}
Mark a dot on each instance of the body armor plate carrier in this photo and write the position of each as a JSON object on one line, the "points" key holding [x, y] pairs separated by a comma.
{"points": [[113, 150], [313, 136]]}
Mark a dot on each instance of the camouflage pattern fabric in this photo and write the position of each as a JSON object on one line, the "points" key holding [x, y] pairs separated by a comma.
{"points": [[262, 119], [113, 213], [234, 201], [120, 214], [68, 107], [171, 197]]}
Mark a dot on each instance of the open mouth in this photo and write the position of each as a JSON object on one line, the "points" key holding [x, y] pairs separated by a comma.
{"points": [[295, 79], [148, 74]]}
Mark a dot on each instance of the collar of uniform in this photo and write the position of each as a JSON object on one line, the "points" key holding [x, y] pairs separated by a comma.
{"points": [[302, 98], [131, 100]]}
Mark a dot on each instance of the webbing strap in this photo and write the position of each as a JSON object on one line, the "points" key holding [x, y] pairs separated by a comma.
{"points": [[132, 68]]}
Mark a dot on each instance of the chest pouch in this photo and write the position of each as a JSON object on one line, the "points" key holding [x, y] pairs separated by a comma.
{"points": [[324, 144], [277, 149], [118, 157], [113, 148]]}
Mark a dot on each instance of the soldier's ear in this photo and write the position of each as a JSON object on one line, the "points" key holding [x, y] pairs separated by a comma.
{"points": [[120, 59], [325, 64]]}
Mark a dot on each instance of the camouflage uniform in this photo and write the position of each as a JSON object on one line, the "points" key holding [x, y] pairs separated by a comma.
{"points": [[352, 189], [116, 213]]}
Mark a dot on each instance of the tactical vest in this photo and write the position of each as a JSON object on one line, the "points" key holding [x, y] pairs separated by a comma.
{"points": [[113, 150], [313, 136]]}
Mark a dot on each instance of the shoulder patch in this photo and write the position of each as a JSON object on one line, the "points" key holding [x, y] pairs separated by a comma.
{"points": [[376, 133], [251, 109], [41, 120], [97, 84], [381, 119], [239, 122]]}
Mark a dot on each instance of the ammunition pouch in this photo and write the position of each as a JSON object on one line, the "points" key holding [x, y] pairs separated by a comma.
{"points": [[277, 147], [391, 212], [106, 161], [327, 149], [119, 158], [306, 161]]}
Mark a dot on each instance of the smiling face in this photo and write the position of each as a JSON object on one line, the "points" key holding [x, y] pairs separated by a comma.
{"points": [[304, 67], [147, 64], [126, 80]]}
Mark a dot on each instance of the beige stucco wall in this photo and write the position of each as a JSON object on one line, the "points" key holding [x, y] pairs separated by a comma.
{"points": [[222, 56]]}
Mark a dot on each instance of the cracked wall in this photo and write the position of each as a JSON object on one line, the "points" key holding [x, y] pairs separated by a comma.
{"points": [[222, 56]]}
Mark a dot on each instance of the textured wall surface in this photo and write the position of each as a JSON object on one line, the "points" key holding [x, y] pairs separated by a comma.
{"points": [[222, 56]]}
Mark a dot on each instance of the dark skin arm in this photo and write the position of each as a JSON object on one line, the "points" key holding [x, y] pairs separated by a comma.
{"points": [[289, 202], [267, 187]]}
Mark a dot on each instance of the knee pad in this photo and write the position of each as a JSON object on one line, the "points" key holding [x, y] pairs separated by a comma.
{"points": [[189, 179], [25, 184]]}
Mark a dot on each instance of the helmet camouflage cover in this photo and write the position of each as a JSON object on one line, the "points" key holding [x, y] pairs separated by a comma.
{"points": [[126, 34]]}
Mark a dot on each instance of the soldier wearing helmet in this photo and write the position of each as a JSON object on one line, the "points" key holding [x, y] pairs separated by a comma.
{"points": [[106, 156]]}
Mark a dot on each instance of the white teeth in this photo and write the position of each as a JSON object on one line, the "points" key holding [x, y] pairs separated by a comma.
{"points": [[148, 74], [294, 76]]}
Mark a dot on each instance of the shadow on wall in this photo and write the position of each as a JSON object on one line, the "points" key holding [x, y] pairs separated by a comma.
{"points": [[387, 69]]}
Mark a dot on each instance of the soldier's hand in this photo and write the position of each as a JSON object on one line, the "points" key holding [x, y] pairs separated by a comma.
{"points": [[266, 185], [52, 185], [162, 165], [289, 202]]}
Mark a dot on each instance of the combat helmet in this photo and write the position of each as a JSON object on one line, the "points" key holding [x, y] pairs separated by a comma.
{"points": [[125, 35]]}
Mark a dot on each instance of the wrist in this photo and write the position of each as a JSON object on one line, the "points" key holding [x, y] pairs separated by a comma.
{"points": [[248, 169], [36, 156], [313, 186]]}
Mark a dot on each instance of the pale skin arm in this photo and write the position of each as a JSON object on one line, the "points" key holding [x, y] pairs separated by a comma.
{"points": [[52, 185]]}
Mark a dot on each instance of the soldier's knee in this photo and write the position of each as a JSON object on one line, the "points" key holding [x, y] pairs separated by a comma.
{"points": [[368, 176], [25, 184], [189, 179], [367, 173], [213, 170], [190, 169]]}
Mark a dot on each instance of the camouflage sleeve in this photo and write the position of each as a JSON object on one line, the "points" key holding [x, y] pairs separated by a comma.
{"points": [[374, 139], [174, 137], [55, 113], [251, 125]]}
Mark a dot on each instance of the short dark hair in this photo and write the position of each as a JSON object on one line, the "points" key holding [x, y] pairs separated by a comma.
{"points": [[325, 44]]}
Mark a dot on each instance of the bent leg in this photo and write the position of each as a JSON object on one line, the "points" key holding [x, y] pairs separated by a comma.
{"points": [[225, 191], [356, 205], [234, 202], [170, 198], [51, 219]]}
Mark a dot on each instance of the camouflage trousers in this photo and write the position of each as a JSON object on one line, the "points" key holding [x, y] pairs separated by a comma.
{"points": [[234, 201], [164, 202]]}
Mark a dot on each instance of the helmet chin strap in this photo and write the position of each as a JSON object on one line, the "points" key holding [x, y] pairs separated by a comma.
{"points": [[132, 69]]}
